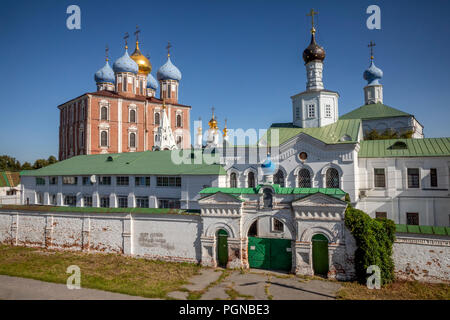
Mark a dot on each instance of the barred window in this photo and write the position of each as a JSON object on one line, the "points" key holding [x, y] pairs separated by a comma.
{"points": [[380, 215], [380, 179], [87, 201], [413, 178], [304, 179], [87, 181], [168, 181], [233, 180], [278, 178], [40, 181], [142, 181], [311, 111], [169, 203], [104, 202], [328, 111], [332, 178], [277, 225], [251, 179], [142, 202], [157, 118], [70, 200], [104, 180], [122, 201], [412, 218], [70, 180], [122, 180]]}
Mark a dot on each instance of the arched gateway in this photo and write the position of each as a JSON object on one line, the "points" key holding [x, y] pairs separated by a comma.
{"points": [[281, 234]]}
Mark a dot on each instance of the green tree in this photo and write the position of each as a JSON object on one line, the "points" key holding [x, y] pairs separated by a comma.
{"points": [[27, 166], [8, 163]]}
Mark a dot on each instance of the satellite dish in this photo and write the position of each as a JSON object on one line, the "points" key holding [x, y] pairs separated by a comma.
{"points": [[93, 179]]}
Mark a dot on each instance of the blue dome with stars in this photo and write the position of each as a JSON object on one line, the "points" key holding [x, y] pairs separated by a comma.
{"points": [[105, 74], [268, 167], [125, 64], [168, 72], [151, 82], [372, 74]]}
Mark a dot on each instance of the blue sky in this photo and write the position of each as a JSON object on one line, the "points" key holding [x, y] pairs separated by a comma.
{"points": [[243, 57]]}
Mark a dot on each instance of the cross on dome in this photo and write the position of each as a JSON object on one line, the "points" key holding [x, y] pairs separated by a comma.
{"points": [[371, 45], [311, 14]]}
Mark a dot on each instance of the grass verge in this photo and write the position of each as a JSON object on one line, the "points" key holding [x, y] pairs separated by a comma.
{"points": [[399, 290], [110, 272]]}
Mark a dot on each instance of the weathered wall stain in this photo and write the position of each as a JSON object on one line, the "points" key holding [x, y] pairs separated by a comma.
{"points": [[150, 240]]}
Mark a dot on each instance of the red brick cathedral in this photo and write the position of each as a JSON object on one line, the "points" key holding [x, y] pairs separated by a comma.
{"points": [[124, 114]]}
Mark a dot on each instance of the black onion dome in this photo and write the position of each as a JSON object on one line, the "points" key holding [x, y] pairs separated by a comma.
{"points": [[314, 51]]}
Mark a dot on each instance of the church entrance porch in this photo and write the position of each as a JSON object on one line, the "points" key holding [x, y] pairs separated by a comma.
{"points": [[269, 244], [269, 254]]}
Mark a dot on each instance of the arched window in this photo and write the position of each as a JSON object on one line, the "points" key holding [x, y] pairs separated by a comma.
{"points": [[124, 84], [278, 178], [132, 115], [104, 113], [132, 140], [178, 120], [233, 180], [304, 179], [104, 139], [251, 179], [332, 178], [157, 118], [267, 198]]}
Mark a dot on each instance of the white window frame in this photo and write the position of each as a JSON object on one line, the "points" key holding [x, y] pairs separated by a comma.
{"points": [[311, 111]]}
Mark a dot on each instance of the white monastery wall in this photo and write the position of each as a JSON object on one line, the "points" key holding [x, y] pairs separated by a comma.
{"points": [[425, 258], [172, 237]]}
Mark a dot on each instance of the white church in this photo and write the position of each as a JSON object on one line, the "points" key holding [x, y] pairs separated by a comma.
{"points": [[289, 187]]}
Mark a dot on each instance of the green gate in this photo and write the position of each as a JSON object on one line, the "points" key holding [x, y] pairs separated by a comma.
{"points": [[320, 254], [268, 253], [222, 248]]}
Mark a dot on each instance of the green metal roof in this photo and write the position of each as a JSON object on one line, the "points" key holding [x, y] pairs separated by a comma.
{"points": [[42, 208], [148, 162], [9, 179], [426, 147], [374, 111], [336, 192], [329, 134], [404, 228]]}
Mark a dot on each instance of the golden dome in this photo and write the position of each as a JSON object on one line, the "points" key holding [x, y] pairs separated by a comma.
{"points": [[212, 123], [145, 67]]}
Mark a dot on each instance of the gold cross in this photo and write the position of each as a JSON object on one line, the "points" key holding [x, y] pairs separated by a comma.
{"points": [[212, 112], [106, 52], [126, 39], [311, 14], [168, 48], [136, 33], [371, 45]]}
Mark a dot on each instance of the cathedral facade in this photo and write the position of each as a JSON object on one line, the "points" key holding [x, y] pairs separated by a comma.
{"points": [[125, 114]]}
